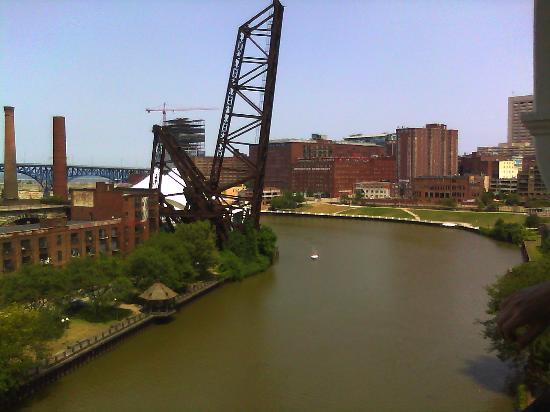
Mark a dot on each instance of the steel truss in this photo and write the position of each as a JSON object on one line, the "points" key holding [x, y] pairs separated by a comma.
{"points": [[43, 173], [246, 116]]}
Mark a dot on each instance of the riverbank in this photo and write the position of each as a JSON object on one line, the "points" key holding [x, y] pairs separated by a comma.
{"points": [[80, 351], [472, 217], [339, 215]]}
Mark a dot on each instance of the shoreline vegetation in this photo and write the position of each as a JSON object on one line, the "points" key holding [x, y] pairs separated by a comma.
{"points": [[45, 308]]}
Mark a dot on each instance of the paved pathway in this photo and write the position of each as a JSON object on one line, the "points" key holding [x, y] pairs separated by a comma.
{"points": [[416, 217]]}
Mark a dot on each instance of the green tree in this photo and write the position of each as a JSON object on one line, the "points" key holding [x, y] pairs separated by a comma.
{"points": [[230, 265], [23, 343], [486, 201], [507, 232], [299, 198], [513, 199], [487, 197], [147, 265], [449, 202], [533, 361], [286, 201], [103, 281], [267, 242], [533, 221], [200, 240], [344, 198], [34, 285], [178, 251], [243, 243]]}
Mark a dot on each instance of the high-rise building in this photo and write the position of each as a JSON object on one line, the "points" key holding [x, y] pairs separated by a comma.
{"points": [[427, 151], [517, 132]]}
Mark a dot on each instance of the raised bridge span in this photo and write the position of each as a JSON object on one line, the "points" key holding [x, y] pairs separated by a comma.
{"points": [[43, 173]]}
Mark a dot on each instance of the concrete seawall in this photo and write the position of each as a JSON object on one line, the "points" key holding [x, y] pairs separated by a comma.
{"points": [[451, 225]]}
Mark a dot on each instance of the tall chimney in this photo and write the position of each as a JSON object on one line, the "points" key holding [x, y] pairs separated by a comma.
{"points": [[10, 162], [59, 158]]}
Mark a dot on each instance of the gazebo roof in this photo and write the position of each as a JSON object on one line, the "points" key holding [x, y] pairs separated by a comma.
{"points": [[158, 291]]}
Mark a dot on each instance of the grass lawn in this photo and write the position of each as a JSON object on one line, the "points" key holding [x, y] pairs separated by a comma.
{"points": [[482, 219], [321, 208], [378, 211], [78, 329]]}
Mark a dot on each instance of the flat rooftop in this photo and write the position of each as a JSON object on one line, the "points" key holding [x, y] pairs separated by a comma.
{"points": [[72, 224]]}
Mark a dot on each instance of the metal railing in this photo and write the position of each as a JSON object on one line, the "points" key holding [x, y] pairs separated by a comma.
{"points": [[76, 349]]}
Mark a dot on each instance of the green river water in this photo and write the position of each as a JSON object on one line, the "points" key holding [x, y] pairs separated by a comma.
{"points": [[383, 321]]}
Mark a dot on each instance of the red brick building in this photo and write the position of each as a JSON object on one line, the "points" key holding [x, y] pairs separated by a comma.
{"points": [[427, 151], [334, 175], [233, 169], [479, 164], [104, 220], [284, 155], [433, 189]]}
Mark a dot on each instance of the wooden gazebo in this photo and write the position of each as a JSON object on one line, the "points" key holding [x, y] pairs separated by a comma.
{"points": [[159, 299]]}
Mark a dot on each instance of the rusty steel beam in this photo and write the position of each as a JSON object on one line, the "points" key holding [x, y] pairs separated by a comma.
{"points": [[251, 94], [260, 61]]}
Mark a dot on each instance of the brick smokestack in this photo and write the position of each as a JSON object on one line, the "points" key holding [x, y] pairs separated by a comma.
{"points": [[10, 162], [59, 158]]}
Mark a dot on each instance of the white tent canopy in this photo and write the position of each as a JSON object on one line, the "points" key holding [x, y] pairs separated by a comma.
{"points": [[171, 187]]}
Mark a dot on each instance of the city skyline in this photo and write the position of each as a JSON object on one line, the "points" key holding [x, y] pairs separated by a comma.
{"points": [[379, 67]]}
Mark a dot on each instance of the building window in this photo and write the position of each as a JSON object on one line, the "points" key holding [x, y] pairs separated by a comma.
{"points": [[26, 246], [103, 247], [89, 236], [75, 239], [59, 240], [114, 245], [8, 265], [59, 256], [6, 248]]}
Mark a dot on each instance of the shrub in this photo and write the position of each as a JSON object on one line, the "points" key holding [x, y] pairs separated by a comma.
{"points": [[267, 242], [230, 265], [287, 201], [533, 221], [507, 232], [449, 203]]}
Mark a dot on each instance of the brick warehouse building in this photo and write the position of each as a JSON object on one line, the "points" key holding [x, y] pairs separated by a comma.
{"points": [[433, 189], [284, 156], [335, 175], [233, 169], [103, 220], [427, 151]]}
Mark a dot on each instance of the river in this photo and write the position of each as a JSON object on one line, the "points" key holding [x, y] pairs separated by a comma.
{"points": [[383, 321]]}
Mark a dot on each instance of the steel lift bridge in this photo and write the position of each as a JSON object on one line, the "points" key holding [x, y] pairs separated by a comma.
{"points": [[246, 120]]}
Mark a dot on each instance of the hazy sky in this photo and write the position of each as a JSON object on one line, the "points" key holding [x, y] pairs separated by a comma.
{"points": [[345, 67]]}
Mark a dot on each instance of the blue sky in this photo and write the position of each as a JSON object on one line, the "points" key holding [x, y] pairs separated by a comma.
{"points": [[345, 67]]}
